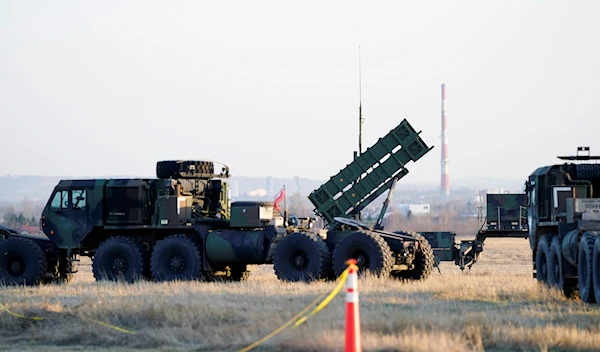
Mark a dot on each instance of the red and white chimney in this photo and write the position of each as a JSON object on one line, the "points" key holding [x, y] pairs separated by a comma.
{"points": [[445, 186]]}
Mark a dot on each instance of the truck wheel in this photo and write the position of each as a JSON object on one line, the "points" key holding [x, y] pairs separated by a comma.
{"points": [[423, 262], [22, 262], [301, 256], [585, 267], [541, 260], [118, 259], [183, 168], [596, 269], [555, 263], [176, 258], [555, 270], [369, 249]]}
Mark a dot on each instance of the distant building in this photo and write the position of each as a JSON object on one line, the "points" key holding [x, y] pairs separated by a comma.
{"points": [[482, 195], [258, 192], [236, 190], [270, 186], [297, 184], [414, 209], [29, 230]]}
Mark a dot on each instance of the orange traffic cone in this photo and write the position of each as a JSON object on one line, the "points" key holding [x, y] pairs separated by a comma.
{"points": [[353, 343]]}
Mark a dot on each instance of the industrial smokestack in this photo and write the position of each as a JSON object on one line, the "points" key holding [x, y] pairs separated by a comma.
{"points": [[445, 187]]}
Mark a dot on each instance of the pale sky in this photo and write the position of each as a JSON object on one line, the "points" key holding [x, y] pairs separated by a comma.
{"points": [[271, 87]]}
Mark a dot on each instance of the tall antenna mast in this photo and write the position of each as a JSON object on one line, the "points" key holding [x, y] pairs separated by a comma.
{"points": [[360, 118]]}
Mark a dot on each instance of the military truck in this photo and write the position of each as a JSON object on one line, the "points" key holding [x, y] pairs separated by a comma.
{"points": [[564, 222], [182, 226]]}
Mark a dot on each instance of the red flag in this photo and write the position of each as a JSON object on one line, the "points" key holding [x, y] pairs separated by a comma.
{"points": [[278, 199]]}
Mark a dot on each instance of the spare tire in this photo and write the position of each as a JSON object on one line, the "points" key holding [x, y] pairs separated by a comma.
{"points": [[184, 168]]}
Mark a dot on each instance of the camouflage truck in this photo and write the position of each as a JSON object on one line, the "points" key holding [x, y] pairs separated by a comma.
{"points": [[181, 225], [563, 209], [506, 211]]}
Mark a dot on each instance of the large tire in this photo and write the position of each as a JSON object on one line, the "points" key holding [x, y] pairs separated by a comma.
{"points": [[596, 269], [423, 262], [301, 256], [556, 270], [22, 262], [183, 168], [369, 249], [176, 258], [541, 259], [118, 259], [585, 267]]}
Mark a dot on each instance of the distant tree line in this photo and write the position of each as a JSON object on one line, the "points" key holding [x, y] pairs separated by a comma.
{"points": [[17, 220], [25, 214]]}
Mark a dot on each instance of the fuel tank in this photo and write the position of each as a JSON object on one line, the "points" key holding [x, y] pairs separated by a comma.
{"points": [[236, 246]]}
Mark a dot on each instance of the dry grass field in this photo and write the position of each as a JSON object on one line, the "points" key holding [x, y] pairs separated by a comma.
{"points": [[497, 306]]}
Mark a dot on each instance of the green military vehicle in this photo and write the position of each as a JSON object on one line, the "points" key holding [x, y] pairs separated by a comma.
{"points": [[564, 223], [182, 226]]}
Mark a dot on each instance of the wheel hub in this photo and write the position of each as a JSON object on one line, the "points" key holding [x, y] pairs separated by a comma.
{"points": [[16, 266], [299, 260], [177, 263], [119, 265], [362, 260]]}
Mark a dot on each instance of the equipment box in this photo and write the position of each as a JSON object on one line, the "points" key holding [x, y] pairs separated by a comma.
{"points": [[250, 214], [442, 244]]}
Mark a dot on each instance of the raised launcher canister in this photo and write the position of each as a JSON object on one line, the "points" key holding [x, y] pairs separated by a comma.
{"points": [[339, 201]]}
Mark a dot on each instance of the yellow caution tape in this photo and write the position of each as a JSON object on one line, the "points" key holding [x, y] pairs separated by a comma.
{"points": [[326, 300], [20, 315], [114, 327], [300, 318]]}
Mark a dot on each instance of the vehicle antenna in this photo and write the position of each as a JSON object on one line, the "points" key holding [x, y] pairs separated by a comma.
{"points": [[360, 118]]}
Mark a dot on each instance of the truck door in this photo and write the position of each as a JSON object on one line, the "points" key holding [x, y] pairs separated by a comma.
{"points": [[65, 218]]}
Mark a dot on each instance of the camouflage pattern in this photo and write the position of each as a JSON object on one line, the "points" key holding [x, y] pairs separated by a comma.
{"points": [[74, 208], [442, 243], [251, 214], [506, 211]]}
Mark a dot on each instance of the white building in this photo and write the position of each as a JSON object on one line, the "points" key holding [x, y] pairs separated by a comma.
{"points": [[414, 209]]}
